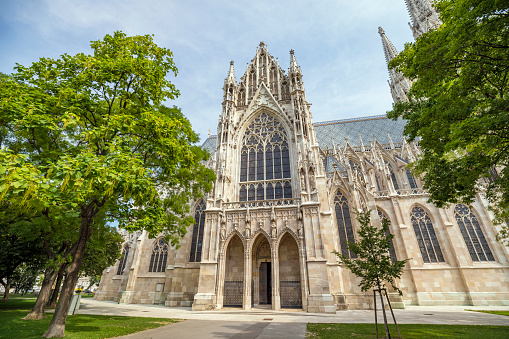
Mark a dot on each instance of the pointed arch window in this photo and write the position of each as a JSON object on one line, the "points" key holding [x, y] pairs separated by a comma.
{"points": [[265, 161], [426, 236], [382, 216], [472, 234], [344, 223], [393, 178], [159, 256], [198, 229], [123, 260]]}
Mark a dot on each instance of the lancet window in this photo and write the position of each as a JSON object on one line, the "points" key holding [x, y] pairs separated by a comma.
{"points": [[344, 223], [159, 256], [265, 161], [426, 236], [393, 178], [198, 229], [411, 179], [123, 260], [472, 234], [392, 251]]}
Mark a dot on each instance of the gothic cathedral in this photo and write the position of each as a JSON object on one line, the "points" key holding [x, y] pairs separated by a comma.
{"points": [[285, 198]]}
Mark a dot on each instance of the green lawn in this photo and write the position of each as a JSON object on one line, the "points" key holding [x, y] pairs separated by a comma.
{"points": [[78, 326], [493, 312], [360, 331]]}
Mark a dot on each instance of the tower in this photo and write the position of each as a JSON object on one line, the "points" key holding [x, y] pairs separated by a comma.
{"points": [[398, 83], [424, 17]]}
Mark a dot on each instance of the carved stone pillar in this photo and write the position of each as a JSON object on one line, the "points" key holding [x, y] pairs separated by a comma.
{"points": [[276, 301]]}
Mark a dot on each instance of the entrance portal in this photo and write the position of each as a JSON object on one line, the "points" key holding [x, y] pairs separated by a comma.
{"points": [[265, 283], [261, 291]]}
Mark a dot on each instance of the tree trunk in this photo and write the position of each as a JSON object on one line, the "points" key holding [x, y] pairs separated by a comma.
{"points": [[57, 325], [54, 297], [7, 287], [42, 299]]}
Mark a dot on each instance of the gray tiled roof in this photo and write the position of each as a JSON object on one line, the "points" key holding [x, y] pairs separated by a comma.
{"points": [[365, 126], [349, 128], [210, 144]]}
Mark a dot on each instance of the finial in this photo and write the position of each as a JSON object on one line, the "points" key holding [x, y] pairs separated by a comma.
{"points": [[380, 30], [209, 132], [262, 44], [231, 62]]}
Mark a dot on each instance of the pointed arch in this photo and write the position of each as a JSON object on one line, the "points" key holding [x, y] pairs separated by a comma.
{"points": [[472, 233], [260, 233], [198, 230], [234, 271], [230, 236], [159, 256], [289, 271], [426, 236], [344, 223], [291, 233]]}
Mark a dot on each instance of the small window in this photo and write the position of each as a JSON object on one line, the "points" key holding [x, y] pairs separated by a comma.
{"points": [[123, 260]]}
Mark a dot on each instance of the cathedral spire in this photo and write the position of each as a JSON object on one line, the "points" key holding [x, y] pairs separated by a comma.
{"points": [[230, 79], [389, 50], [424, 17], [294, 67], [398, 83]]}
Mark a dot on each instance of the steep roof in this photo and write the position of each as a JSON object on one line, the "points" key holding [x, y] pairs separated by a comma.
{"points": [[337, 130]]}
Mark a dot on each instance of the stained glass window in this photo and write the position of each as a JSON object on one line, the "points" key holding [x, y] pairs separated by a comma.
{"points": [[265, 161], [123, 260], [198, 229], [411, 179], [159, 256], [344, 223], [472, 234], [426, 237], [392, 251]]}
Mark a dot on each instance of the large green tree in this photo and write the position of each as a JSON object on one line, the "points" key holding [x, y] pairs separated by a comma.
{"points": [[458, 104], [89, 133]]}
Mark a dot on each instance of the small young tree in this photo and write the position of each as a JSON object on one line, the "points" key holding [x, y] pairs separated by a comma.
{"points": [[373, 263]]}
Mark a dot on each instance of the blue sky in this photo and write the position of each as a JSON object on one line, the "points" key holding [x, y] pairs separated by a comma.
{"points": [[336, 44]]}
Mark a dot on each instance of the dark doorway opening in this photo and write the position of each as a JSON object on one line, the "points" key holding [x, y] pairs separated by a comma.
{"points": [[265, 283]]}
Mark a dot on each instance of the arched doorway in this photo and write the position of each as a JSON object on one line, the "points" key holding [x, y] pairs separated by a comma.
{"points": [[289, 273], [234, 273], [261, 286]]}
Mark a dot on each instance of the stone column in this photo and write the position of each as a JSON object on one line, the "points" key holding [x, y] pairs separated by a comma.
{"points": [[276, 301], [128, 296], [247, 279]]}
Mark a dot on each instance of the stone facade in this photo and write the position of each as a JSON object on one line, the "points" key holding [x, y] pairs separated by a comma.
{"points": [[284, 200]]}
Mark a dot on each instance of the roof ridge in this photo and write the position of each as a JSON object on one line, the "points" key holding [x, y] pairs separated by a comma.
{"points": [[370, 117]]}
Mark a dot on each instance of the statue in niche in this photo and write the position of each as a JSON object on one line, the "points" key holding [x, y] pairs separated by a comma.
{"points": [[222, 233], [248, 231], [302, 180], [272, 214], [260, 224], [273, 230], [312, 180], [299, 229]]}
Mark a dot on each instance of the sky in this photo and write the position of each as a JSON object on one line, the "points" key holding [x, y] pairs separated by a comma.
{"points": [[336, 43]]}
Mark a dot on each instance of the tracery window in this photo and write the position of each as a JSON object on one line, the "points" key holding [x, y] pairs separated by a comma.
{"points": [[123, 260], [344, 223], [426, 237], [265, 161], [392, 251], [472, 234], [159, 256], [198, 229]]}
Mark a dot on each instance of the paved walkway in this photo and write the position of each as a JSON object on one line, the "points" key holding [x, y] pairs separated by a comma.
{"points": [[265, 323]]}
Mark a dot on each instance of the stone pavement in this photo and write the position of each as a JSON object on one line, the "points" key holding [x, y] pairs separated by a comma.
{"points": [[265, 323]]}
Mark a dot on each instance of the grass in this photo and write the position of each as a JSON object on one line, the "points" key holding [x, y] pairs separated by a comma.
{"points": [[79, 326], [492, 312], [408, 331]]}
